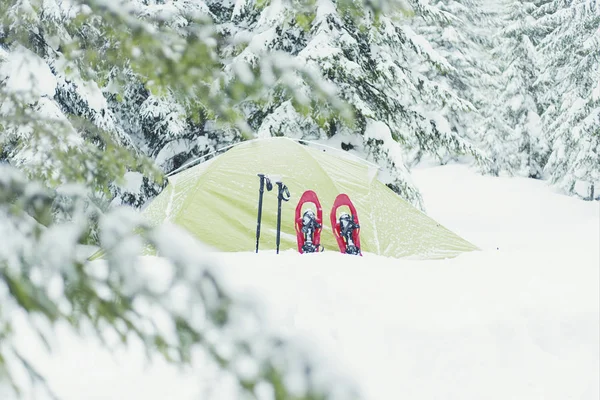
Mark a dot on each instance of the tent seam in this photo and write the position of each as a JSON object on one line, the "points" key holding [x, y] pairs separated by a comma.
{"points": [[321, 168]]}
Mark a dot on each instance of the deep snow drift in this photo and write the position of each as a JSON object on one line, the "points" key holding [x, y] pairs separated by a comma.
{"points": [[518, 320]]}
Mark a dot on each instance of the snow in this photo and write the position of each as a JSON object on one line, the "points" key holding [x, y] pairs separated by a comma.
{"points": [[533, 124], [133, 181], [272, 14], [238, 8], [90, 91], [26, 74], [173, 148], [518, 320], [512, 214], [283, 118], [424, 47], [325, 8], [244, 73], [450, 34], [596, 92], [381, 132], [51, 10]]}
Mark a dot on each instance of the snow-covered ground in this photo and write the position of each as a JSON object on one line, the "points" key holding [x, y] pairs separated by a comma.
{"points": [[518, 320]]}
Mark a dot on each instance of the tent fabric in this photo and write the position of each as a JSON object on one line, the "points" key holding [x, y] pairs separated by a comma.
{"points": [[217, 201]]}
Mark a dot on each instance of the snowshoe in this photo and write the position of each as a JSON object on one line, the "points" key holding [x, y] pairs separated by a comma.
{"points": [[347, 228], [309, 225]]}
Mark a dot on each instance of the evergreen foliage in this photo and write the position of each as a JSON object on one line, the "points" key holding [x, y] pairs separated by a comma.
{"points": [[462, 33], [70, 144], [100, 99], [571, 47], [368, 63], [515, 139]]}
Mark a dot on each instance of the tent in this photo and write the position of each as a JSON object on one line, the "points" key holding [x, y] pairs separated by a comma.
{"points": [[217, 201]]}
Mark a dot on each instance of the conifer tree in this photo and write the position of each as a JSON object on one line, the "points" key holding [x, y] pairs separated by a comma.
{"points": [[368, 63], [66, 145], [571, 47], [463, 32], [513, 136]]}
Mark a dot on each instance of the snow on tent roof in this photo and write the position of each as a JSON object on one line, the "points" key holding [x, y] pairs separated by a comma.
{"points": [[217, 202]]}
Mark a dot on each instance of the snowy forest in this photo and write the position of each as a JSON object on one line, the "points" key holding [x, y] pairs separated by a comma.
{"points": [[101, 100]]}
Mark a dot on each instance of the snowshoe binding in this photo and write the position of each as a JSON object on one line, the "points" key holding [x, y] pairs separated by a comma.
{"points": [[347, 228], [308, 227]]}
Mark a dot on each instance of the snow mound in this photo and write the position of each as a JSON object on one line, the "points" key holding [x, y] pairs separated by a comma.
{"points": [[517, 320]]}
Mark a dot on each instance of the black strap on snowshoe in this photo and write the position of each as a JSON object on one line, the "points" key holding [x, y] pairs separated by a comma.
{"points": [[312, 248], [347, 226], [309, 226]]}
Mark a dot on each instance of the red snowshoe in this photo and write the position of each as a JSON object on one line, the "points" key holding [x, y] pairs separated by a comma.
{"points": [[346, 229], [309, 225]]}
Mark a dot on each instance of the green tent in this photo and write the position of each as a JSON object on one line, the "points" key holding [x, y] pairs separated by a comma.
{"points": [[217, 201]]}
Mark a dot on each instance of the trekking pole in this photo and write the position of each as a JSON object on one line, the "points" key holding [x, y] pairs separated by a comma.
{"points": [[283, 194], [261, 190]]}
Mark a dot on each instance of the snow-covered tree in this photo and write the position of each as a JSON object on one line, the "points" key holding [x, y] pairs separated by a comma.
{"points": [[51, 105], [180, 314], [463, 32], [284, 67], [513, 136], [66, 146], [571, 46], [365, 59]]}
